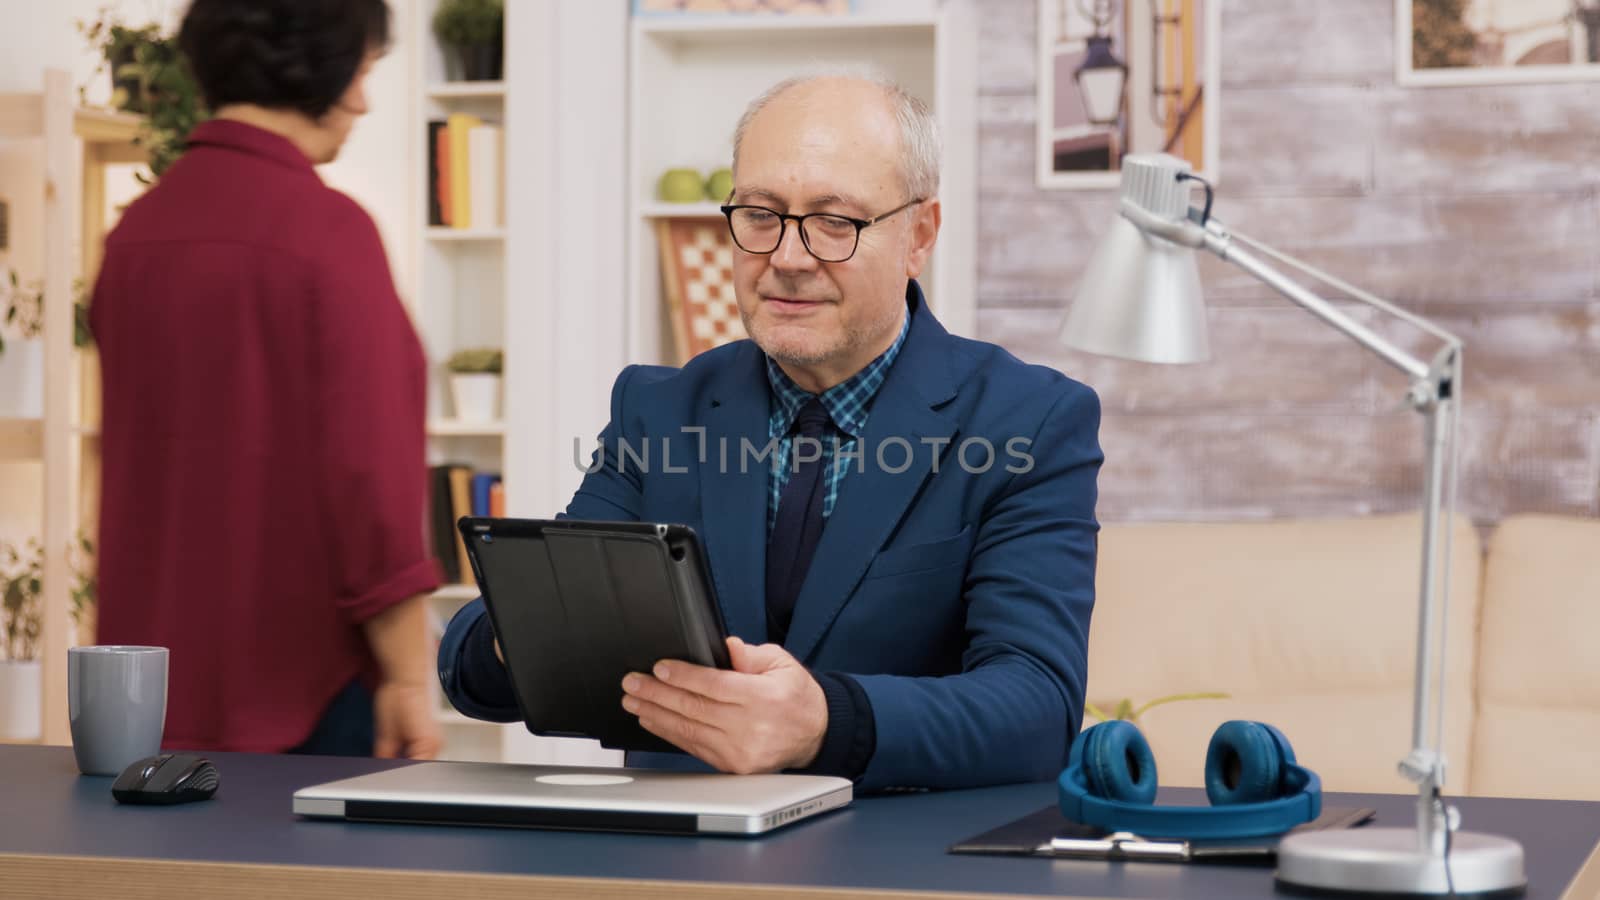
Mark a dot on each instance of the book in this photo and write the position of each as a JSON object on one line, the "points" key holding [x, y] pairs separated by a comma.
{"points": [[441, 526], [435, 201], [460, 125], [485, 165], [442, 174], [460, 507], [482, 485], [497, 499]]}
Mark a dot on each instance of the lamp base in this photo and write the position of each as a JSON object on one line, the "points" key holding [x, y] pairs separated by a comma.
{"points": [[1387, 861]]}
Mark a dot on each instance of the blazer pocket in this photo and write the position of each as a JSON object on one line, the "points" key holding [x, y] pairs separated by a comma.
{"points": [[918, 557]]}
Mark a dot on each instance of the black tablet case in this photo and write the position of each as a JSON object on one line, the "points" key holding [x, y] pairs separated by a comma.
{"points": [[578, 604]]}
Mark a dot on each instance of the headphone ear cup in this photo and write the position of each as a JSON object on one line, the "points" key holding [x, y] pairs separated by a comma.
{"points": [[1118, 764], [1245, 764]]}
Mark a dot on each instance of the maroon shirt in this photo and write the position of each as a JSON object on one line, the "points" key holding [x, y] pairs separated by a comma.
{"points": [[263, 471]]}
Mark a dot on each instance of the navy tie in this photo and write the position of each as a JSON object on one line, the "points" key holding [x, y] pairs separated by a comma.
{"points": [[799, 524]]}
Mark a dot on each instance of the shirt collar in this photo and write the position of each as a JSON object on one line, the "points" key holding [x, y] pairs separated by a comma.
{"points": [[234, 135], [846, 402]]}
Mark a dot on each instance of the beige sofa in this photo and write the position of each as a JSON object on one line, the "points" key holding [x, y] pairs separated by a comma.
{"points": [[1311, 625]]}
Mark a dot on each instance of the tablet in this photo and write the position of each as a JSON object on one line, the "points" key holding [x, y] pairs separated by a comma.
{"points": [[578, 604]]}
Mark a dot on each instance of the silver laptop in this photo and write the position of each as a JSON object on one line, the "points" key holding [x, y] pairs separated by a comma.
{"points": [[572, 797]]}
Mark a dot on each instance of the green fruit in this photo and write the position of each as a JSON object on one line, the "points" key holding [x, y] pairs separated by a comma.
{"points": [[680, 186], [719, 185]]}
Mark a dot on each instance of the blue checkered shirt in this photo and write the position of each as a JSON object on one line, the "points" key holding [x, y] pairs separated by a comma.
{"points": [[847, 403]]}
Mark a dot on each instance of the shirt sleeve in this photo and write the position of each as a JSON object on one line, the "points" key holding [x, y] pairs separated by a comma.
{"points": [[370, 426], [852, 735]]}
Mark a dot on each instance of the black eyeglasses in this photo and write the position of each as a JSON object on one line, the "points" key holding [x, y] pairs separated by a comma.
{"points": [[827, 236]]}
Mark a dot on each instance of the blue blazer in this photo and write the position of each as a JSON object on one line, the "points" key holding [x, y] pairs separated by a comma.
{"points": [[955, 588]]}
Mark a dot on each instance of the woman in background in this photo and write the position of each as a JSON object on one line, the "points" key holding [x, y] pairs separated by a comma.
{"points": [[264, 477]]}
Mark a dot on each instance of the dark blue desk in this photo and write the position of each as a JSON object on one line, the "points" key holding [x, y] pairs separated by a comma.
{"points": [[61, 834]]}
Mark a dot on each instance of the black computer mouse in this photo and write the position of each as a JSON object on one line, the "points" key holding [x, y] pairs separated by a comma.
{"points": [[168, 778]]}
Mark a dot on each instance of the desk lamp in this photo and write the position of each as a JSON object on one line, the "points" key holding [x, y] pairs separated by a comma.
{"points": [[1140, 299]]}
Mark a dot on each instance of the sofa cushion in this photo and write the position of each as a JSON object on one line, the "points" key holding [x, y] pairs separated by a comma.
{"points": [[1538, 667], [1309, 625]]}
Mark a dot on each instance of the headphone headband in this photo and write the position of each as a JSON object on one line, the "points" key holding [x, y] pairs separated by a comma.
{"points": [[1240, 820]]}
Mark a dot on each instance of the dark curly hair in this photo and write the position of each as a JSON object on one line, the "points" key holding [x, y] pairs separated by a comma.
{"points": [[281, 54]]}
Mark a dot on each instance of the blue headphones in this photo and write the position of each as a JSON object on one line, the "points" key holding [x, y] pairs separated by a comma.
{"points": [[1252, 781]]}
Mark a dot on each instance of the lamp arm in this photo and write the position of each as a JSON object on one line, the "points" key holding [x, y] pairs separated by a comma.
{"points": [[1435, 394]]}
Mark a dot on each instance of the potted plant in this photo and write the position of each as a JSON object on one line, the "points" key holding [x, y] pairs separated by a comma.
{"points": [[21, 584], [21, 355], [472, 30], [475, 383], [119, 51], [150, 78], [22, 310]]}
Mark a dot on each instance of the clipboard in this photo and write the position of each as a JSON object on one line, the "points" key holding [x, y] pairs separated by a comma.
{"points": [[1049, 834]]}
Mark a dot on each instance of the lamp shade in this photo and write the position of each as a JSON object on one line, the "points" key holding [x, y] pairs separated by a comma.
{"points": [[1139, 297]]}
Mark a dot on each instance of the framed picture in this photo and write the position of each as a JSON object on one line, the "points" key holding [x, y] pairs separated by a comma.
{"points": [[1453, 42], [717, 7], [1125, 76], [697, 284]]}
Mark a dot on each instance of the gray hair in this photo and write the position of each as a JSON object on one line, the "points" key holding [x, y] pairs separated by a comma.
{"points": [[919, 132]]}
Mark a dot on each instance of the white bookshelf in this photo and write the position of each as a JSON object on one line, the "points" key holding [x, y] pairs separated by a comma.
{"points": [[474, 288], [458, 301], [691, 76]]}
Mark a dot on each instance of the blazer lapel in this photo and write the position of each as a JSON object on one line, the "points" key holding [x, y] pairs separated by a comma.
{"points": [[733, 491], [873, 501]]}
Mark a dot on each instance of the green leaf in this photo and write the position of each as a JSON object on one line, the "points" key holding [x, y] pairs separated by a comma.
{"points": [[1095, 711], [1125, 708]]}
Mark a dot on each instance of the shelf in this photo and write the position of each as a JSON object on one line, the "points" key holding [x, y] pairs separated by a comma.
{"points": [[106, 126], [21, 439], [22, 115], [744, 26], [441, 233], [87, 432], [456, 428], [467, 90], [461, 593], [656, 210]]}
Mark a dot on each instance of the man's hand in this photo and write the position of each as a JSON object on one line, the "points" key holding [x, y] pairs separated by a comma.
{"points": [[766, 715]]}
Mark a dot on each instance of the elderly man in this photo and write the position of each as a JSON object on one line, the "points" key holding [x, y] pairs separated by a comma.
{"points": [[909, 583]]}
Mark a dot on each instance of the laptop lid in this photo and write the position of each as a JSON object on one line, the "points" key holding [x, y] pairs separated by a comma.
{"points": [[572, 797]]}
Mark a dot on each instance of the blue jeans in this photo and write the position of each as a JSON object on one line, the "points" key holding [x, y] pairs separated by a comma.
{"points": [[345, 728]]}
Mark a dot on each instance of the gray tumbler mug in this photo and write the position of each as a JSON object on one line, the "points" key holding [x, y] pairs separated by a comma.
{"points": [[117, 700]]}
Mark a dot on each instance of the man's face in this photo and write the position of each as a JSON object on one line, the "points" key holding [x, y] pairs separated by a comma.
{"points": [[830, 146]]}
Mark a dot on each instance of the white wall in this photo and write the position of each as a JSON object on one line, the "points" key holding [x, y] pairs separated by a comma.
{"points": [[374, 168]]}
